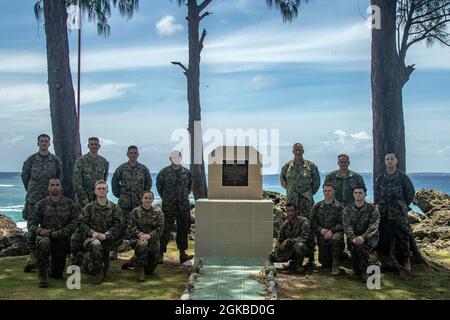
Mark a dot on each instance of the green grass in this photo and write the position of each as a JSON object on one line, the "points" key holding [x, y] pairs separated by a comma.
{"points": [[423, 284], [168, 282]]}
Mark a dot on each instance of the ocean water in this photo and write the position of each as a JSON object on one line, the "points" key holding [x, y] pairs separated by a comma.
{"points": [[12, 193]]}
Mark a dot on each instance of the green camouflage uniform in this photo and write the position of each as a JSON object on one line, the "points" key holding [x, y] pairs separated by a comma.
{"points": [[128, 185], [362, 222], [149, 222], [37, 171], [174, 187], [328, 216], [86, 172], [104, 219], [301, 183], [344, 185], [58, 216], [393, 194], [297, 234]]}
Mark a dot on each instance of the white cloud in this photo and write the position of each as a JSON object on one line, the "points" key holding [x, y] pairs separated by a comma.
{"points": [[12, 138], [363, 135], [343, 46], [27, 97], [342, 142], [167, 26], [107, 142], [260, 82]]}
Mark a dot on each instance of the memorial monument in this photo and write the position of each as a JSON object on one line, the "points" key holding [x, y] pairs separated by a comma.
{"points": [[234, 221]]}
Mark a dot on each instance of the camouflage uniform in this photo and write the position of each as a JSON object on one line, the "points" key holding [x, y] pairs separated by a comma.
{"points": [[301, 183], [328, 216], [128, 185], [393, 194], [297, 233], [58, 216], [174, 187], [37, 171], [149, 222], [344, 185], [86, 172], [104, 219], [362, 222]]}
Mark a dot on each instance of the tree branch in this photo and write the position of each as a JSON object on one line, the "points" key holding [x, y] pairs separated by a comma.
{"points": [[202, 38], [430, 13], [426, 33], [181, 66], [207, 13], [203, 5]]}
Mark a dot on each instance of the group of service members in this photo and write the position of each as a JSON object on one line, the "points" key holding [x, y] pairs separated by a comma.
{"points": [[58, 226], [345, 214]]}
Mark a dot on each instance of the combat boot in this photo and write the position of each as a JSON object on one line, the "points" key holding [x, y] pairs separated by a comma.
{"points": [[185, 257], [298, 265], [335, 268], [129, 264], [31, 261], [43, 282], [98, 277], [140, 274], [150, 269]]}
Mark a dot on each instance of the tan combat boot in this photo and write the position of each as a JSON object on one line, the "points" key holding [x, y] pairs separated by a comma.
{"points": [[335, 268], [31, 261], [98, 277], [140, 274]]}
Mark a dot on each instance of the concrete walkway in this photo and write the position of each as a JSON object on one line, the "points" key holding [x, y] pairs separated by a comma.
{"points": [[229, 279]]}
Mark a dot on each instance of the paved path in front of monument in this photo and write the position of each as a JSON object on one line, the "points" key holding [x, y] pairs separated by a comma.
{"points": [[229, 279]]}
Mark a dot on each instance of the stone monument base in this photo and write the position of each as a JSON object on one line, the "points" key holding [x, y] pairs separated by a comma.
{"points": [[233, 228]]}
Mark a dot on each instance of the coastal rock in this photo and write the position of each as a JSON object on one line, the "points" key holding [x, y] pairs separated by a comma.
{"points": [[13, 241], [430, 200], [434, 229], [8, 227], [279, 213], [414, 217]]}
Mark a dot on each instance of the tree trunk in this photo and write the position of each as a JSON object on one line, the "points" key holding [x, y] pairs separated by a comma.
{"points": [[387, 105], [388, 79], [62, 97], [193, 90]]}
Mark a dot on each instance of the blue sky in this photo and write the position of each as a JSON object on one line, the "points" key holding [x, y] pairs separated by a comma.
{"points": [[309, 79]]}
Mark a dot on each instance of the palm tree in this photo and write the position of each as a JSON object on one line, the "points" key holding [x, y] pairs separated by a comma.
{"points": [[62, 98], [288, 8], [404, 23]]}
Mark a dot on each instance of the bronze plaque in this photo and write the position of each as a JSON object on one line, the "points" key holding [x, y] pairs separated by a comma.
{"points": [[235, 174]]}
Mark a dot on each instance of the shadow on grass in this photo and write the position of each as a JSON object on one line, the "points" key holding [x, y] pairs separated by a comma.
{"points": [[167, 283], [320, 285]]}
